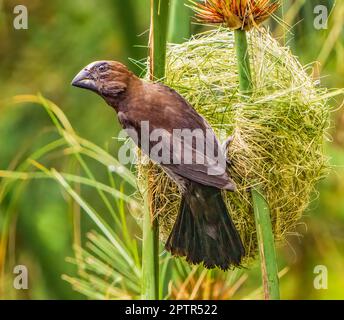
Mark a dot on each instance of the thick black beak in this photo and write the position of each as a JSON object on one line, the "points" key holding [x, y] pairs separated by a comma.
{"points": [[84, 80]]}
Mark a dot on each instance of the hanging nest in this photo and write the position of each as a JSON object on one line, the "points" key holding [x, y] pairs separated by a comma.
{"points": [[278, 132]]}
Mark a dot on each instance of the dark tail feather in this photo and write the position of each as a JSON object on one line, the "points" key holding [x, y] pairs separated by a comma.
{"points": [[204, 231]]}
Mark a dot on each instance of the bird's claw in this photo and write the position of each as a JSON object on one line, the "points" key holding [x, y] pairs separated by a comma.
{"points": [[225, 147]]}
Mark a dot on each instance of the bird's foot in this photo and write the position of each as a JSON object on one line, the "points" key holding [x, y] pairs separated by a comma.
{"points": [[225, 147]]}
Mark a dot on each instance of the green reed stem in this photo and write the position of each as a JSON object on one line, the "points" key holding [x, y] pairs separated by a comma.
{"points": [[158, 38], [180, 22], [265, 235], [150, 251], [266, 246], [150, 241], [245, 78]]}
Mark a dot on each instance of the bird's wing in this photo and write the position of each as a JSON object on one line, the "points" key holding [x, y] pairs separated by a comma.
{"points": [[168, 113], [196, 165]]}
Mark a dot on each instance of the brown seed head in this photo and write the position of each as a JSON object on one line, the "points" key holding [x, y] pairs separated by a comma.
{"points": [[236, 14]]}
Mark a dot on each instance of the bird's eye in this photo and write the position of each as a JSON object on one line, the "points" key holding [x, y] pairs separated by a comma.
{"points": [[102, 68]]}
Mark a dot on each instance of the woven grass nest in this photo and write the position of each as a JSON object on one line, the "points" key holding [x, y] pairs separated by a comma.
{"points": [[278, 132]]}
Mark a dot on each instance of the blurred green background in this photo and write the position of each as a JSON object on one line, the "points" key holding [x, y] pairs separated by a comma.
{"points": [[64, 36]]}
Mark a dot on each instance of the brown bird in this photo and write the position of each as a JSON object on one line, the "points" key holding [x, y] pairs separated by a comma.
{"points": [[203, 231]]}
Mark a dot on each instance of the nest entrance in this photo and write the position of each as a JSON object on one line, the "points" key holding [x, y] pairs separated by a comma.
{"points": [[278, 132]]}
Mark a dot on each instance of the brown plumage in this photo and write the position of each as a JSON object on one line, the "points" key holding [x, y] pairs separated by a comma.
{"points": [[203, 231]]}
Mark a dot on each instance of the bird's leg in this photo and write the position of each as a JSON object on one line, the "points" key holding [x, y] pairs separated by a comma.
{"points": [[225, 147]]}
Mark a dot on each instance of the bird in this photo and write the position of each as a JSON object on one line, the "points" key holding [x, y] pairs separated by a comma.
{"points": [[203, 232]]}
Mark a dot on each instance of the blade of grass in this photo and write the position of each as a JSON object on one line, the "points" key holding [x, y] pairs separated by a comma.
{"points": [[150, 241], [78, 144], [19, 175], [102, 195], [5, 187], [102, 225], [125, 255], [334, 35], [266, 246], [261, 208]]}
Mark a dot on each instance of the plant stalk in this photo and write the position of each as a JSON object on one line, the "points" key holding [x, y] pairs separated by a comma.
{"points": [[158, 38], [244, 70], [150, 250], [265, 235], [150, 242], [180, 24], [266, 246]]}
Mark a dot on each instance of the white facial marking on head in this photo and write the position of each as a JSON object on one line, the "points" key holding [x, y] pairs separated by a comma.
{"points": [[94, 63]]}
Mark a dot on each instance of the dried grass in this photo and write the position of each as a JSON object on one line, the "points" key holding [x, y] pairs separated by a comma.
{"points": [[278, 132]]}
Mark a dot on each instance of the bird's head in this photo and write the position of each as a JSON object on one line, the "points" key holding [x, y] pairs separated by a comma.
{"points": [[106, 78]]}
